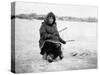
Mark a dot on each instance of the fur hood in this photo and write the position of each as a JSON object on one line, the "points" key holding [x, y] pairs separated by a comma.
{"points": [[50, 14]]}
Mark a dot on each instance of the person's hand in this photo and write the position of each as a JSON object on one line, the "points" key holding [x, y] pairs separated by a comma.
{"points": [[64, 42], [49, 35]]}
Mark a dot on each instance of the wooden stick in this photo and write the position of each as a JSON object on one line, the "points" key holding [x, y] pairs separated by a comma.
{"points": [[70, 40], [62, 29]]}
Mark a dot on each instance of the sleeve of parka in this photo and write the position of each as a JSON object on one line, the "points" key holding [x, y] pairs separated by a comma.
{"points": [[43, 33], [57, 34]]}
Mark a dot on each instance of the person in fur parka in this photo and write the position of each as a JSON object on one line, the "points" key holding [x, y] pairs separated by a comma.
{"points": [[48, 31]]}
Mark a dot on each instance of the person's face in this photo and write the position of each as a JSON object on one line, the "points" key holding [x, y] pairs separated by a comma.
{"points": [[50, 20]]}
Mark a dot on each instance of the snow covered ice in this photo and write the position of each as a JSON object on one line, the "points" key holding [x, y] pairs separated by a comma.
{"points": [[79, 54]]}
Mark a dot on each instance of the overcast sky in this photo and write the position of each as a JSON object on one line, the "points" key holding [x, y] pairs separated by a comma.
{"points": [[57, 9]]}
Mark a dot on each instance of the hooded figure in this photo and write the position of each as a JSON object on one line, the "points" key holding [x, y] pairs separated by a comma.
{"points": [[48, 31]]}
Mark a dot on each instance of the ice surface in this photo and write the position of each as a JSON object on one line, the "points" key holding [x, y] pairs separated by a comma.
{"points": [[79, 54]]}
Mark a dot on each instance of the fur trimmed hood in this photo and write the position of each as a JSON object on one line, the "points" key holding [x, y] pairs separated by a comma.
{"points": [[50, 14]]}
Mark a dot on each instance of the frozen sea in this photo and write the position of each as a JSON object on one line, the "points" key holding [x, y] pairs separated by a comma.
{"points": [[79, 54]]}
